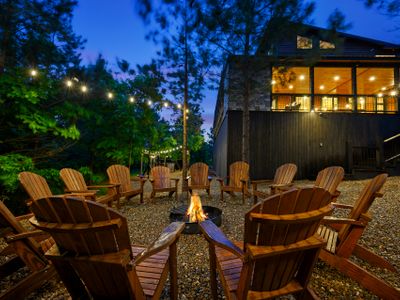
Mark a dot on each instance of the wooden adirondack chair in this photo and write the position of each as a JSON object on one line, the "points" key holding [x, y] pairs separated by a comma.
{"points": [[238, 180], [342, 235], [121, 176], [26, 249], [329, 179], [104, 264], [198, 178], [279, 250], [283, 179], [36, 186], [75, 183], [161, 181]]}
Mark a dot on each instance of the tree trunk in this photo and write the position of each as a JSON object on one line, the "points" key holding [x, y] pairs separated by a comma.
{"points": [[184, 113]]}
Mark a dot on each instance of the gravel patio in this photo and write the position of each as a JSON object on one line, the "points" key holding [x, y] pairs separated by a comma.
{"points": [[146, 221]]}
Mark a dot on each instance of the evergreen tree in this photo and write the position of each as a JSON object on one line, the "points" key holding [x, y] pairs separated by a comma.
{"points": [[182, 60], [236, 27]]}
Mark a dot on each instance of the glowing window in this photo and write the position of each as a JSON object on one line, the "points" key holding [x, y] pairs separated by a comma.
{"points": [[373, 81], [294, 80], [326, 45], [304, 42], [332, 81]]}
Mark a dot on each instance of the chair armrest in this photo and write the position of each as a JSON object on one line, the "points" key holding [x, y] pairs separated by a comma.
{"points": [[333, 220], [341, 205], [282, 187], [215, 236], [169, 236], [175, 179], [139, 178], [24, 235], [24, 217], [105, 186], [86, 192], [258, 252], [255, 183]]}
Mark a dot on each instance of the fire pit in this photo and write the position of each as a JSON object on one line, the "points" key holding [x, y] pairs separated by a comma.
{"points": [[195, 213]]}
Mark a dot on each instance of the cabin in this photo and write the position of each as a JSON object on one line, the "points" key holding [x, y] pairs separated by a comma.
{"points": [[316, 98]]}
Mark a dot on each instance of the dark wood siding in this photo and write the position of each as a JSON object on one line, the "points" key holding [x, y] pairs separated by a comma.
{"points": [[221, 149], [310, 140]]}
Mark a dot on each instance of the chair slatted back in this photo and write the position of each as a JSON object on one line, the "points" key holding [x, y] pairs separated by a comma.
{"points": [[330, 178], [93, 239], [199, 174], [237, 171], [364, 202], [285, 174], [119, 174], [28, 249], [73, 180], [295, 216], [35, 185], [161, 176]]}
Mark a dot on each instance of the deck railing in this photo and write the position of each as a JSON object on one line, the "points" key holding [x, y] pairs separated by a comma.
{"points": [[391, 148], [335, 103]]}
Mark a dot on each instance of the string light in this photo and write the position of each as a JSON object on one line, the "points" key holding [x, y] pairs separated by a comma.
{"points": [[69, 83], [165, 151]]}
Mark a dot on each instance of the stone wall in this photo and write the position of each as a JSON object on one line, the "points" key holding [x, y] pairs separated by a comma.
{"points": [[260, 78]]}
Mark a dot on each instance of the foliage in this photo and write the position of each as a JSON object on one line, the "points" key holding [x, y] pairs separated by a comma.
{"points": [[38, 33], [10, 166], [45, 126]]}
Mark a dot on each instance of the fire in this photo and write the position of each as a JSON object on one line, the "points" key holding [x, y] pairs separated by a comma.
{"points": [[195, 211]]}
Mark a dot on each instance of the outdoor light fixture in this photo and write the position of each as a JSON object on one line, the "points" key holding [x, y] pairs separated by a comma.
{"points": [[273, 82], [336, 78], [84, 88], [383, 89], [187, 110], [393, 93], [33, 72], [179, 105], [372, 78], [68, 83], [291, 87], [165, 104], [321, 87], [149, 102], [131, 99], [312, 110], [302, 77], [380, 95], [110, 95], [347, 106]]}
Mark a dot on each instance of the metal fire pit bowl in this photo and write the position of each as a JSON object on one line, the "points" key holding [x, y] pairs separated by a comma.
{"points": [[179, 214]]}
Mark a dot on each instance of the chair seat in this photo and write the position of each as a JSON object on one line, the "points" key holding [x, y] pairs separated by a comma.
{"points": [[330, 236], [151, 269], [230, 266]]}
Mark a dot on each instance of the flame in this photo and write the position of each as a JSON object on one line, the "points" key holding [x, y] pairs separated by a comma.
{"points": [[195, 211]]}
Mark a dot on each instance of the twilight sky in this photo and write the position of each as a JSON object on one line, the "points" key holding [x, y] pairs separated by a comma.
{"points": [[113, 29]]}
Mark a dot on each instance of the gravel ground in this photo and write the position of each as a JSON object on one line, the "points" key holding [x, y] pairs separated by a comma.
{"points": [[146, 221]]}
